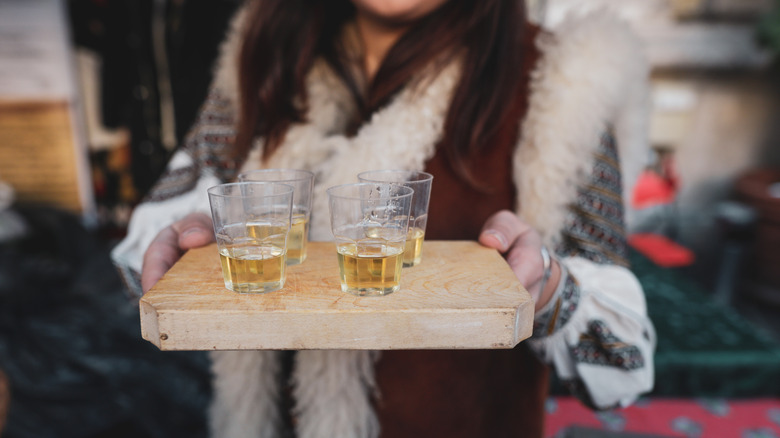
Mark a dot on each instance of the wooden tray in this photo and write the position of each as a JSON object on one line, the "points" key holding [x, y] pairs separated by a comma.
{"points": [[462, 296]]}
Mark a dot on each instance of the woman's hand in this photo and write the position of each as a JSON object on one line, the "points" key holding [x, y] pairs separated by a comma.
{"points": [[192, 231], [522, 247]]}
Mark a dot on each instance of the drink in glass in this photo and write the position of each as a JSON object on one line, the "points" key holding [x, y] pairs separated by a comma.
{"points": [[251, 225], [369, 223], [420, 182], [370, 265], [302, 181]]}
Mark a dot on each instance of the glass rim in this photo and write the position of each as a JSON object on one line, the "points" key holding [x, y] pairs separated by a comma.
{"points": [[287, 189], [333, 191], [304, 174], [419, 175]]}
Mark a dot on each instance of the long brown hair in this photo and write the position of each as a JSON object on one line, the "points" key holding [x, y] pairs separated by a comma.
{"points": [[284, 37]]}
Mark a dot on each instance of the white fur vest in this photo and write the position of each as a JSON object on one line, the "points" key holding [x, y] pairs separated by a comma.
{"points": [[591, 76]]}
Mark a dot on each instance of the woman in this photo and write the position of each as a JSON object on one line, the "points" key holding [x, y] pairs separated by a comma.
{"points": [[516, 126]]}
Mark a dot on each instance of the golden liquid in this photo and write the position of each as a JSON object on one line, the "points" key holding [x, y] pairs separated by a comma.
{"points": [[370, 268], [252, 269], [297, 240], [413, 248], [264, 231]]}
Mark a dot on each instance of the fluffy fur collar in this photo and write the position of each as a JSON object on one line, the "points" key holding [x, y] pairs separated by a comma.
{"points": [[591, 77]]}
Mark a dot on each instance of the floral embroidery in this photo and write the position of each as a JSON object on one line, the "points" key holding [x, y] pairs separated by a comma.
{"points": [[598, 346], [594, 227], [594, 230], [561, 312], [208, 144]]}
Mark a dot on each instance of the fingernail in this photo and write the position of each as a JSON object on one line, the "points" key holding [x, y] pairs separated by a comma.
{"points": [[500, 237]]}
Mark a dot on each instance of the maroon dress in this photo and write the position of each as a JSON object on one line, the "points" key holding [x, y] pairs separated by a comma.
{"points": [[467, 393]]}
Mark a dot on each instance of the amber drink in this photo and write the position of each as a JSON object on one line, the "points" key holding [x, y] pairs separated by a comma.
{"points": [[370, 222], [252, 268], [298, 240], [413, 246], [421, 183], [252, 224], [370, 266], [302, 181]]}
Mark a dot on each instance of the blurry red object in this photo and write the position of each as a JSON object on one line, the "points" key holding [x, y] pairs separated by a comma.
{"points": [[661, 250], [653, 189]]}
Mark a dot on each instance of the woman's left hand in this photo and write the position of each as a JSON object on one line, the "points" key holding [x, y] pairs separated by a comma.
{"points": [[522, 248]]}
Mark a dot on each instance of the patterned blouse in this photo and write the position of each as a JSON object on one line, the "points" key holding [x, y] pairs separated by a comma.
{"points": [[599, 340]]}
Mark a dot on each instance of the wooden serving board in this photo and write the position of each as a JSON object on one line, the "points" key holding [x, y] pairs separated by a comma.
{"points": [[462, 296]]}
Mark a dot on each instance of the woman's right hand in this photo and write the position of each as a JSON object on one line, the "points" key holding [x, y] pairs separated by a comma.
{"points": [[192, 231]]}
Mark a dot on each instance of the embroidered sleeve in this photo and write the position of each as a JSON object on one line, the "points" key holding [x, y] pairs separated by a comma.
{"points": [[595, 331], [202, 161], [594, 230], [595, 227], [560, 309], [207, 145]]}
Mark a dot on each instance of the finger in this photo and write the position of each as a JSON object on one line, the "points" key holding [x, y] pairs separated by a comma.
{"points": [[525, 259], [194, 230], [501, 230], [162, 253]]}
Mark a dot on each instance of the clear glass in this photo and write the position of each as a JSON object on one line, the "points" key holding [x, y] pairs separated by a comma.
{"points": [[302, 181], [251, 224], [421, 183], [369, 223]]}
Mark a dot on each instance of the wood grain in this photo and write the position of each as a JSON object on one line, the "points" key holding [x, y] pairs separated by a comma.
{"points": [[462, 295]]}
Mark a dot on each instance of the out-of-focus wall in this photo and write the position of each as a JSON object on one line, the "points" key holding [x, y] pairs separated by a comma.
{"points": [[715, 97], [721, 124], [41, 131]]}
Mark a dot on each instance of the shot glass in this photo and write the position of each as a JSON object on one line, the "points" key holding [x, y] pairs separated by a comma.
{"points": [[251, 224], [420, 182], [302, 181], [369, 223]]}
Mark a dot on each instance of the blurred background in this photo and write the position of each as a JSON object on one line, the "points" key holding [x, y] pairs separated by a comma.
{"points": [[95, 95]]}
